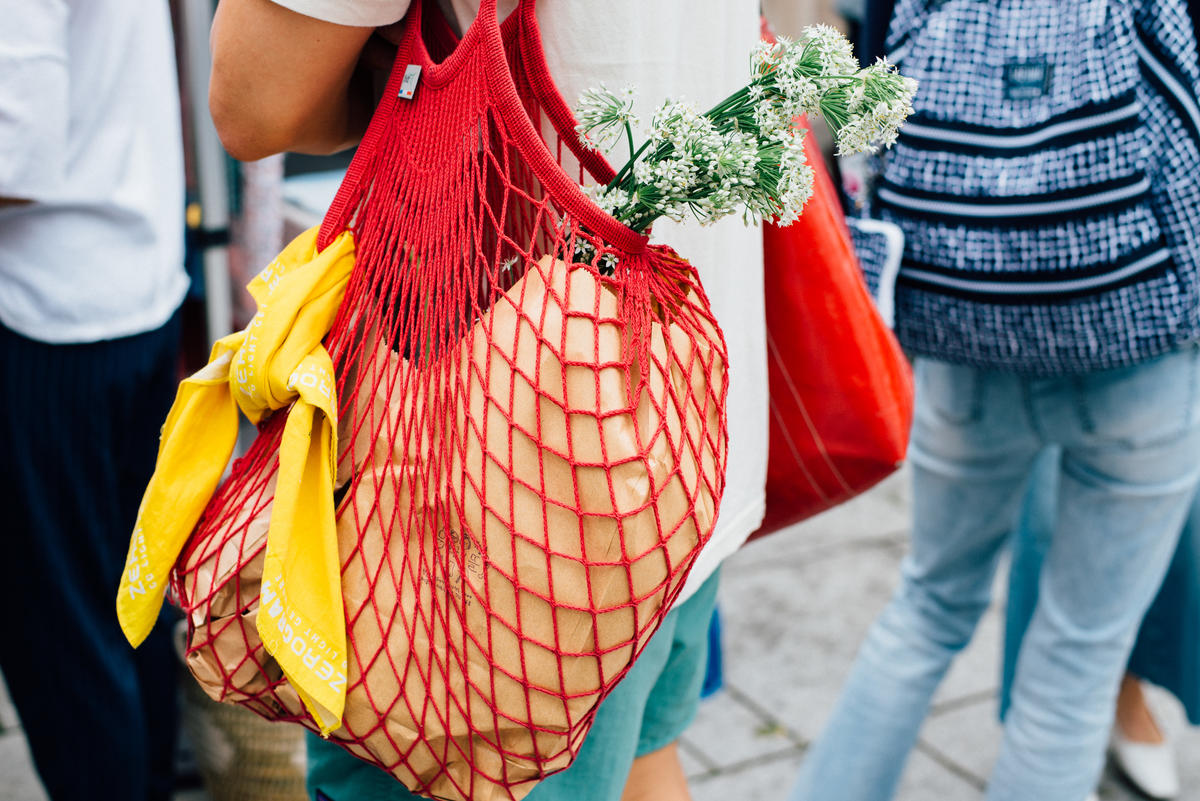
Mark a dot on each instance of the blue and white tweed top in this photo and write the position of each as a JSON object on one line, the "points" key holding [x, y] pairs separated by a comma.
{"points": [[1048, 184]]}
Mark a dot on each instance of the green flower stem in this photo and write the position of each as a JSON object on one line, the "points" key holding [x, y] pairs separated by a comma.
{"points": [[740, 96], [628, 168]]}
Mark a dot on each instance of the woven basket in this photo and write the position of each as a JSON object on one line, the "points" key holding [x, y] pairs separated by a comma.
{"points": [[241, 756]]}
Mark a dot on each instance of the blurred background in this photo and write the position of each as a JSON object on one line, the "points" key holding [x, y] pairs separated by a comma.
{"points": [[794, 605]]}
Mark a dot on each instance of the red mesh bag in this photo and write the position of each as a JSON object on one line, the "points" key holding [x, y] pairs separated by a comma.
{"points": [[531, 437]]}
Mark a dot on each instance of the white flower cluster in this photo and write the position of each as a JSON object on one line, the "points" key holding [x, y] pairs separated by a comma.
{"points": [[610, 199], [877, 108], [685, 147], [747, 152], [832, 49], [795, 184], [695, 170], [818, 75], [602, 116]]}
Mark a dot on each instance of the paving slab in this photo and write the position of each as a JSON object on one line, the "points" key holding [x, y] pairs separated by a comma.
{"points": [[966, 737], [880, 514], [792, 624], [695, 762], [18, 782], [768, 779], [728, 732], [772, 780], [927, 779]]}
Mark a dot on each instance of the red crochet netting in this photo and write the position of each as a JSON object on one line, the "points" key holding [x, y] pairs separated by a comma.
{"points": [[532, 437]]}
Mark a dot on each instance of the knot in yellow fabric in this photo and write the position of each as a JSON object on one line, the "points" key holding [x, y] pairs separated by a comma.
{"points": [[297, 299], [276, 361]]}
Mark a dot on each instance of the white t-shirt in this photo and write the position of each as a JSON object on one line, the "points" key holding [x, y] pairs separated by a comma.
{"points": [[90, 132], [698, 50]]}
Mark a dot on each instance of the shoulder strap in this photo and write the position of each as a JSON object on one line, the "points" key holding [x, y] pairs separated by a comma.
{"points": [[556, 108], [350, 191]]}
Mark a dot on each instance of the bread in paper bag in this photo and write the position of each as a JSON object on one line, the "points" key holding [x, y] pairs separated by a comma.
{"points": [[493, 595]]}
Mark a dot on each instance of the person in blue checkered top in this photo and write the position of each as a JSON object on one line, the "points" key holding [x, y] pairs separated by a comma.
{"points": [[1048, 188]]}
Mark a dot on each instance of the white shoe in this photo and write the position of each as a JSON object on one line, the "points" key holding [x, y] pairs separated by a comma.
{"points": [[1150, 768]]}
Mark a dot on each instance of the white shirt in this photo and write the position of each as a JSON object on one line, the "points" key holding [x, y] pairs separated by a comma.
{"points": [[698, 50], [90, 133]]}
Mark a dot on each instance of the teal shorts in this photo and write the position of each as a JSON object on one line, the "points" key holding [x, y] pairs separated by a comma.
{"points": [[647, 711]]}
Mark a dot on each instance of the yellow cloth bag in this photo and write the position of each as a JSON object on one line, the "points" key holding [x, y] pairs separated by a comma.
{"points": [[276, 360]]}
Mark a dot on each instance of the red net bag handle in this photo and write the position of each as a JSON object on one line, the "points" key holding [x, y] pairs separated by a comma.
{"points": [[413, 52], [537, 72], [341, 210], [527, 140]]}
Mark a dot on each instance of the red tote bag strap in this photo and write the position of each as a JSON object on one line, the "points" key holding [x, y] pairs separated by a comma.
{"points": [[841, 389], [537, 73], [556, 108]]}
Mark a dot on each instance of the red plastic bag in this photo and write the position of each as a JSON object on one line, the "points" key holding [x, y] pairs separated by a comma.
{"points": [[841, 389]]}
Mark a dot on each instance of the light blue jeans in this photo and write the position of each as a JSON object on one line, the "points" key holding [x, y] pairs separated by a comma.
{"points": [[1130, 459]]}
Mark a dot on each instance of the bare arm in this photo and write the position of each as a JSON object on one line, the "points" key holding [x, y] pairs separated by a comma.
{"points": [[284, 81]]}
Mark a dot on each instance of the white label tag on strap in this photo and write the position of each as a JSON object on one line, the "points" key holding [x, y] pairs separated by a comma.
{"points": [[408, 86]]}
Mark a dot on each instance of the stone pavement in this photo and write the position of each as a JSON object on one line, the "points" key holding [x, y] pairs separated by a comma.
{"points": [[794, 607]]}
